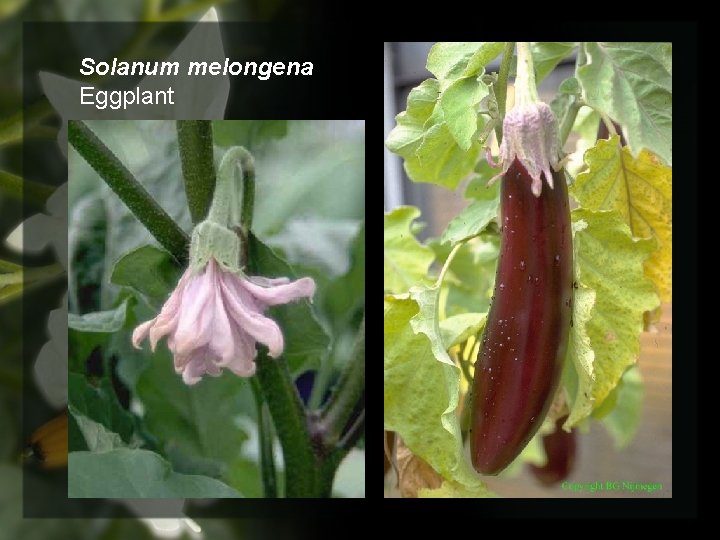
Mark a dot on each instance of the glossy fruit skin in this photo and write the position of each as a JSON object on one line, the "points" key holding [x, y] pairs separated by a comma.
{"points": [[525, 339], [560, 449]]}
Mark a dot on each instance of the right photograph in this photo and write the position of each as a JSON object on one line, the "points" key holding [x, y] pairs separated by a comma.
{"points": [[528, 269]]}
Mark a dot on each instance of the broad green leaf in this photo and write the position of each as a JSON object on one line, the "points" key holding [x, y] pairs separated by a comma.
{"points": [[454, 490], [459, 104], [450, 60], [97, 437], [547, 55], [468, 284], [422, 385], [439, 160], [194, 422], [105, 322], [478, 187], [346, 294], [149, 270], [424, 140], [610, 262], [406, 261], [407, 135], [99, 403], [640, 189], [570, 86], [133, 473], [622, 422], [632, 83], [458, 328], [560, 105], [306, 343], [471, 221]]}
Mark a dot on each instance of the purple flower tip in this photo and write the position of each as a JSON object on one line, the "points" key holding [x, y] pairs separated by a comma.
{"points": [[213, 320]]}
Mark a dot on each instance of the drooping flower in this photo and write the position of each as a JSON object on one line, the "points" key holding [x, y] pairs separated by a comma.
{"points": [[214, 318]]}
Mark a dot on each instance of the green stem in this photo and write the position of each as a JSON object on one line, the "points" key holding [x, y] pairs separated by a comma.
{"points": [[568, 120], [290, 424], [195, 142], [130, 191], [265, 435], [501, 86], [33, 192], [525, 87], [348, 391], [225, 209]]}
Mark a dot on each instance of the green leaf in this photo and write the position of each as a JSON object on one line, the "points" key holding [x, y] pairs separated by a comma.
{"points": [[459, 104], [610, 262], [440, 160], [99, 403], [97, 437], [100, 321], [422, 385], [623, 421], [195, 422], [570, 86], [458, 328], [632, 83], [547, 55], [132, 473], [306, 343], [424, 140], [406, 261], [478, 189], [468, 284], [640, 189], [149, 270], [450, 60], [471, 221], [346, 294]]}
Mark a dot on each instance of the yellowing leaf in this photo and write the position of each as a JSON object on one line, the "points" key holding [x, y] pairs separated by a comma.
{"points": [[422, 385], [578, 375], [406, 260], [453, 490], [610, 263], [640, 189]]}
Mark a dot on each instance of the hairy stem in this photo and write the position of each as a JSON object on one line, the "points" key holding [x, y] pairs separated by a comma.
{"points": [[501, 86], [290, 424], [195, 142], [525, 87]]}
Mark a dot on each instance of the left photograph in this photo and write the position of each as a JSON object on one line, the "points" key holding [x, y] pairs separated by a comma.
{"points": [[215, 309]]}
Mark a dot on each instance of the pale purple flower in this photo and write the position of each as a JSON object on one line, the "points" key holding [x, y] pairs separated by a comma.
{"points": [[214, 318]]}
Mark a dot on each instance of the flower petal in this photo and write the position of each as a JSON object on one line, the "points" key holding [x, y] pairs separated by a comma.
{"points": [[280, 294], [222, 340], [196, 312], [141, 332], [250, 320]]}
